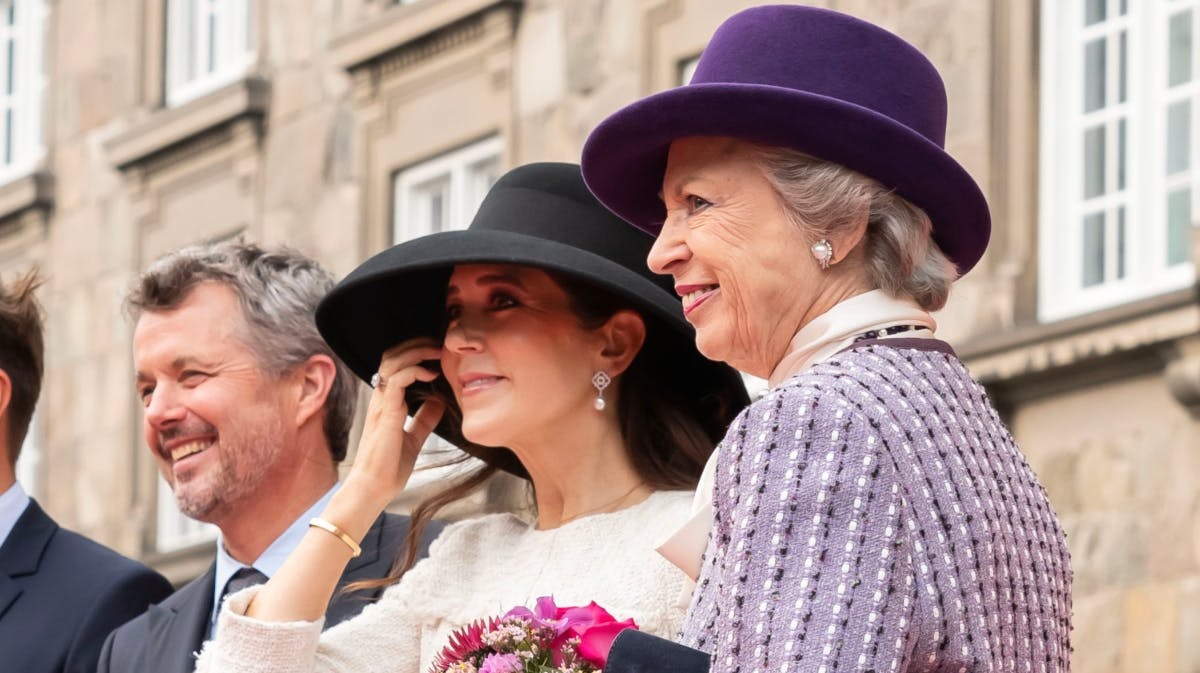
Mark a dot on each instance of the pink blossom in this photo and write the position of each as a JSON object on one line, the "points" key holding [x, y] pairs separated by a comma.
{"points": [[597, 640], [502, 663]]}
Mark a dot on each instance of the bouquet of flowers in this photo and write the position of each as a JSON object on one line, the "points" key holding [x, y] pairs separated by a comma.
{"points": [[547, 639]]}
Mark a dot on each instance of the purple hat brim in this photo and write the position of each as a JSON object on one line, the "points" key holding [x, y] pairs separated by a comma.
{"points": [[625, 157]]}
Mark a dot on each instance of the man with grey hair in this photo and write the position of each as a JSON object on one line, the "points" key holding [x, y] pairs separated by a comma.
{"points": [[247, 413]]}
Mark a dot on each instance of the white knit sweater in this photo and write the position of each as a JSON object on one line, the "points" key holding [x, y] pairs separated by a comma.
{"points": [[476, 569]]}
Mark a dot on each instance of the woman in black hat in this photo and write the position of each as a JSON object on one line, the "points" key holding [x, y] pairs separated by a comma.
{"points": [[537, 341], [871, 512]]}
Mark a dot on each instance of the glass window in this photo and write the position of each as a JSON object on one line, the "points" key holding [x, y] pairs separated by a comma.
{"points": [[29, 463], [175, 530], [1118, 152], [441, 194], [210, 43], [687, 68], [22, 29]]}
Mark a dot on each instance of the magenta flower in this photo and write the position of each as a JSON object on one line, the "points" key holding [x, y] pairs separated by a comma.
{"points": [[465, 643]]}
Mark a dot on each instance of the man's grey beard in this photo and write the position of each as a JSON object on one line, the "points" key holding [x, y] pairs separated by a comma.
{"points": [[229, 488]]}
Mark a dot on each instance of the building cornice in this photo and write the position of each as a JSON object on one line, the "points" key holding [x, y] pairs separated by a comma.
{"points": [[1040, 348], [28, 192], [172, 128], [401, 26]]}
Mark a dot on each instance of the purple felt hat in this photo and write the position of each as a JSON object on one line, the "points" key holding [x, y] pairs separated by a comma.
{"points": [[814, 80]]}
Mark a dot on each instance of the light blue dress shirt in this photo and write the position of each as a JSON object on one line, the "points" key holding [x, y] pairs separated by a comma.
{"points": [[272, 558], [13, 502]]}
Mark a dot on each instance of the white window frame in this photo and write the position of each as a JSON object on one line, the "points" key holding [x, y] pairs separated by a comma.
{"points": [[29, 462], [458, 169], [175, 530], [22, 83], [464, 190], [1061, 292], [195, 65], [687, 68]]}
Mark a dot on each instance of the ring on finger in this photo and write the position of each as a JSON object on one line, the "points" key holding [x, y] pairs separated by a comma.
{"points": [[377, 381]]}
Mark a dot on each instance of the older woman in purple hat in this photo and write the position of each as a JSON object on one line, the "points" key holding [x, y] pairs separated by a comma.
{"points": [[871, 512]]}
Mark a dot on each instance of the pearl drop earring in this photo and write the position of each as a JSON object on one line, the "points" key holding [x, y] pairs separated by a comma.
{"points": [[601, 381]]}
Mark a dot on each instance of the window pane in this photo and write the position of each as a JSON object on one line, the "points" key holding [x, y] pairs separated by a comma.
{"points": [[1094, 11], [1094, 59], [430, 200], [1179, 49], [1093, 249], [481, 176], [8, 136], [1121, 242], [1093, 162], [10, 77], [212, 41], [1121, 154], [1179, 226], [1179, 136], [1122, 65]]}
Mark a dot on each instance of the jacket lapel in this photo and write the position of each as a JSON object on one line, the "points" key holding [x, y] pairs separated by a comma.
{"points": [[178, 628], [22, 551]]}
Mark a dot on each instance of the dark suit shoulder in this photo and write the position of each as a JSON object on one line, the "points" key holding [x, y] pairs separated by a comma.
{"points": [[163, 637], [74, 592]]}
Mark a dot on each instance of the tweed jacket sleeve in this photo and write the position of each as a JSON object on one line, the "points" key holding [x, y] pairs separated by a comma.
{"points": [[809, 567]]}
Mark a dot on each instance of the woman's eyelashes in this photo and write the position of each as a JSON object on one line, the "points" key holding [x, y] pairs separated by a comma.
{"points": [[496, 301]]}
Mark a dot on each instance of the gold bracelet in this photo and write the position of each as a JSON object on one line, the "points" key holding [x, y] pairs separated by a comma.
{"points": [[318, 522]]}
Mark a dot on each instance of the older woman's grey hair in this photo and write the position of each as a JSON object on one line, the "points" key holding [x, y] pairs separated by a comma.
{"points": [[278, 290], [823, 198]]}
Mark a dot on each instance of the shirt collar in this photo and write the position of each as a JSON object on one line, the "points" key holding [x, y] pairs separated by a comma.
{"points": [[272, 558], [13, 502], [837, 328]]}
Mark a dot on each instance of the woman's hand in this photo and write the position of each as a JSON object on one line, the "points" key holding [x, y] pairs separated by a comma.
{"points": [[390, 442], [386, 455]]}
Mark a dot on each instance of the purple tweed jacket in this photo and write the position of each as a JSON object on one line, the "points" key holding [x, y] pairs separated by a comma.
{"points": [[874, 514]]}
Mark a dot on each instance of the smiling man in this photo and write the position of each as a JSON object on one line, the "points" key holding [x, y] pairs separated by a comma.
{"points": [[247, 413]]}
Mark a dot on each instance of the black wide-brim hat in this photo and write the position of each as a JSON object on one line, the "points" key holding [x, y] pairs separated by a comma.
{"points": [[809, 79], [540, 215]]}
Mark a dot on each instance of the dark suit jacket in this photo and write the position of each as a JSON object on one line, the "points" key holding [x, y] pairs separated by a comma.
{"points": [[637, 652], [165, 638], [61, 594]]}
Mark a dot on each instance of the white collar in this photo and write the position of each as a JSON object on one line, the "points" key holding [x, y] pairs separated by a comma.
{"points": [[837, 328], [828, 334]]}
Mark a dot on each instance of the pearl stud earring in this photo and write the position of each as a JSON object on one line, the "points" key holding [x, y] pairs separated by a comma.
{"points": [[823, 251]]}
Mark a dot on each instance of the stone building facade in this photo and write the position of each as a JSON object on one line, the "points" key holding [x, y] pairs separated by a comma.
{"points": [[131, 127]]}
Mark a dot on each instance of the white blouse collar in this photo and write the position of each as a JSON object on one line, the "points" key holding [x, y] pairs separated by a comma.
{"points": [[838, 327]]}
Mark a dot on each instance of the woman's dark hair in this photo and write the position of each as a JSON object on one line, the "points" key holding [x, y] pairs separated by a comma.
{"points": [[668, 429]]}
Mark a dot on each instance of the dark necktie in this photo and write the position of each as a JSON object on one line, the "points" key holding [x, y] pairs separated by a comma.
{"points": [[244, 577]]}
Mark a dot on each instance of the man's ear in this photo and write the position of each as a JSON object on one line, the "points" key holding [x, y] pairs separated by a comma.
{"points": [[624, 334], [5, 401], [5, 392], [315, 378]]}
